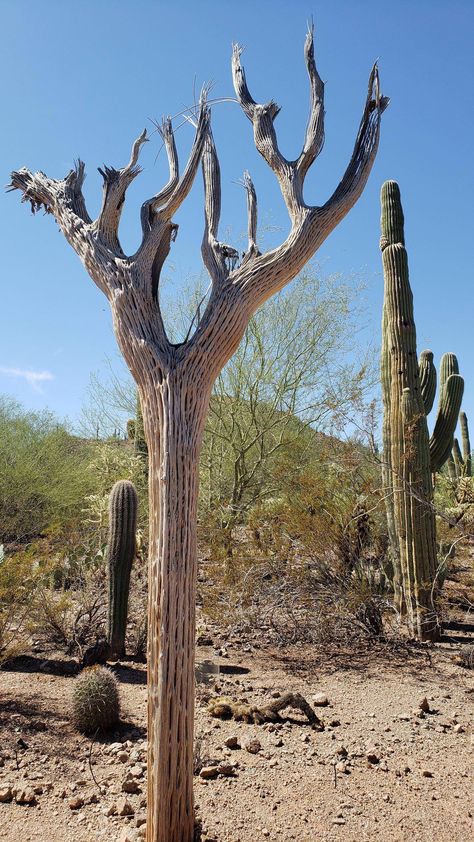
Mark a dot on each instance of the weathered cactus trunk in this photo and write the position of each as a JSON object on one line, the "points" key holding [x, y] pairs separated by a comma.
{"points": [[174, 418], [407, 473], [123, 506]]}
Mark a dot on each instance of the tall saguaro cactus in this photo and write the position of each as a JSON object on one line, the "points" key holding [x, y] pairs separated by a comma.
{"points": [[121, 546], [175, 381], [407, 474], [410, 455]]}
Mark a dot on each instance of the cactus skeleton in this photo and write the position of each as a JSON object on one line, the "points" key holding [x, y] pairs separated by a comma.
{"points": [[120, 554]]}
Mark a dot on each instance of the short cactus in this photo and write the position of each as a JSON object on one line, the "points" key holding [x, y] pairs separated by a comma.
{"points": [[95, 700], [121, 547]]}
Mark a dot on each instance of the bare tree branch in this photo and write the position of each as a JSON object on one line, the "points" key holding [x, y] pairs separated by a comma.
{"points": [[363, 156], [218, 257], [152, 205], [116, 183], [314, 139], [55, 196], [252, 249], [158, 230]]}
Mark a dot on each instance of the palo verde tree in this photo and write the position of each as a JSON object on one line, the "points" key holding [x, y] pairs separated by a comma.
{"points": [[175, 381]]}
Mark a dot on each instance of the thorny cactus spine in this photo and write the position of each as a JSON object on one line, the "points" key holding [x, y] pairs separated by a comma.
{"points": [[95, 700], [407, 472], [123, 505]]}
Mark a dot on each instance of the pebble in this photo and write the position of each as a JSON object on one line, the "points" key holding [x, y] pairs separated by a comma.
{"points": [[124, 808], [253, 746], [25, 796], [76, 803], [130, 785], [6, 794], [232, 742], [209, 772], [320, 700]]}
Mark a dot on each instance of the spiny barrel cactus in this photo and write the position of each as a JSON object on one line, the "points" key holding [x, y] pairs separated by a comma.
{"points": [[406, 463], [123, 505], [95, 700]]}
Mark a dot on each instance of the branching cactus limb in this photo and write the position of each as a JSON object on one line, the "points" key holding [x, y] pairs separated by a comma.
{"points": [[123, 507], [427, 372], [441, 441]]}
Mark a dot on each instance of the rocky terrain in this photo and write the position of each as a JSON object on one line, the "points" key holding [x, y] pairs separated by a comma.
{"points": [[394, 760]]}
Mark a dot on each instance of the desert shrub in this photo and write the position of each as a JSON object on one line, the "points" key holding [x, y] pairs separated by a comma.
{"points": [[43, 473], [21, 576]]}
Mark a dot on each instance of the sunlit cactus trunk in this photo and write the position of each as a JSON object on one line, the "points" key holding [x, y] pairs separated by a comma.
{"points": [[407, 471]]}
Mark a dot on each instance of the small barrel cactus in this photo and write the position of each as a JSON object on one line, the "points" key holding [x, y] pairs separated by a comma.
{"points": [[95, 700], [120, 554]]}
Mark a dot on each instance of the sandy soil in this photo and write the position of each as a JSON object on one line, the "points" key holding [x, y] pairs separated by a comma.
{"points": [[400, 775]]}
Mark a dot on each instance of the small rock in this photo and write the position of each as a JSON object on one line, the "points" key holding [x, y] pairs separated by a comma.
{"points": [[122, 756], [208, 772], [343, 768], [127, 835], [334, 723], [226, 769], [320, 700], [253, 746], [427, 773], [111, 810], [232, 742], [338, 821], [76, 803], [459, 729], [124, 808], [25, 796], [136, 771], [130, 785], [372, 757], [6, 794], [424, 705]]}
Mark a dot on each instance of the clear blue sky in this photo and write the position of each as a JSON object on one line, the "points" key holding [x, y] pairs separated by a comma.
{"points": [[83, 79]]}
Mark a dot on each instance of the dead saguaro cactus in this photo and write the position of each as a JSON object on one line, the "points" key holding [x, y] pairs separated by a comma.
{"points": [[175, 380], [123, 505]]}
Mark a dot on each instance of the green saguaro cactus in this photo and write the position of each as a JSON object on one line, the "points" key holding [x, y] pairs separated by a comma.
{"points": [[460, 462], [123, 505], [410, 455]]}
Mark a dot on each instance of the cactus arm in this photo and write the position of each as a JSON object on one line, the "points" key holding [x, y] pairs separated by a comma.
{"points": [[427, 373], [452, 464], [441, 441], [458, 461], [466, 445]]}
